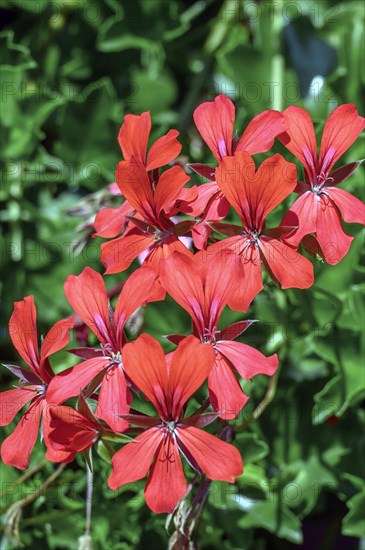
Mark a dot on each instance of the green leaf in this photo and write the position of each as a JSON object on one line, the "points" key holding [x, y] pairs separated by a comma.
{"points": [[353, 524]]}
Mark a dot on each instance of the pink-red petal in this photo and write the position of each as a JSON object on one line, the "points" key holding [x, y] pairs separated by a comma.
{"points": [[300, 138], [166, 483], [164, 150], [216, 458], [133, 460], [261, 131], [117, 255], [342, 128], [114, 399], [247, 360], [225, 393], [87, 295], [23, 331], [191, 363], [290, 268], [144, 362], [352, 209], [11, 401], [17, 447], [214, 121], [71, 381], [133, 136]]}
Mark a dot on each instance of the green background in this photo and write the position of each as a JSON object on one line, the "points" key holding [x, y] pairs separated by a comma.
{"points": [[70, 71]]}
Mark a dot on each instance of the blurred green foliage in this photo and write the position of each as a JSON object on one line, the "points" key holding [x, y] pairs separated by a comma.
{"points": [[70, 70]]}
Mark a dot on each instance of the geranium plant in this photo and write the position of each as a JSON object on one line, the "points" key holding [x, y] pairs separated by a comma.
{"points": [[179, 242]]}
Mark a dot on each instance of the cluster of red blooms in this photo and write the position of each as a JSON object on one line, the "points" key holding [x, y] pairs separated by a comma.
{"points": [[162, 222]]}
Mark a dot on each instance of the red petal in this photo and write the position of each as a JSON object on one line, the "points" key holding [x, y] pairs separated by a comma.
{"points": [[181, 278], [216, 458], [302, 214], [133, 136], [144, 362], [163, 250], [253, 195], [246, 360], [16, 449], [225, 393], [110, 222], [223, 274], [166, 483], [71, 381], [334, 242], [342, 128], [23, 331], [190, 366], [214, 121], [168, 189], [87, 295], [300, 138], [249, 272], [118, 255], [164, 150], [261, 132], [136, 292], [135, 185], [205, 192], [352, 209], [290, 268], [133, 461], [52, 454], [56, 339], [70, 431], [12, 401], [114, 399]]}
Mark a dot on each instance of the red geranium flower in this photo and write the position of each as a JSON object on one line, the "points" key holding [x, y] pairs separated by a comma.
{"points": [[168, 388], [202, 287], [133, 140], [253, 194], [321, 205], [88, 297], [74, 431], [215, 123], [17, 448], [153, 229]]}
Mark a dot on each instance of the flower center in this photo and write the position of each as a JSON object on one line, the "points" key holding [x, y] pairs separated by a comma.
{"points": [[320, 182], [169, 426], [209, 336], [252, 237], [115, 357]]}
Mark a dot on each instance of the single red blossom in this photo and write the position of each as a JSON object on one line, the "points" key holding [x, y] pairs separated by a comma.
{"points": [[33, 382], [133, 140], [75, 431], [215, 123], [168, 387], [71, 431], [254, 194], [152, 228], [322, 204], [88, 297], [202, 286]]}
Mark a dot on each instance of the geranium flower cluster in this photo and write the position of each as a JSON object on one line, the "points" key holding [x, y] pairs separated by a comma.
{"points": [[186, 249]]}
